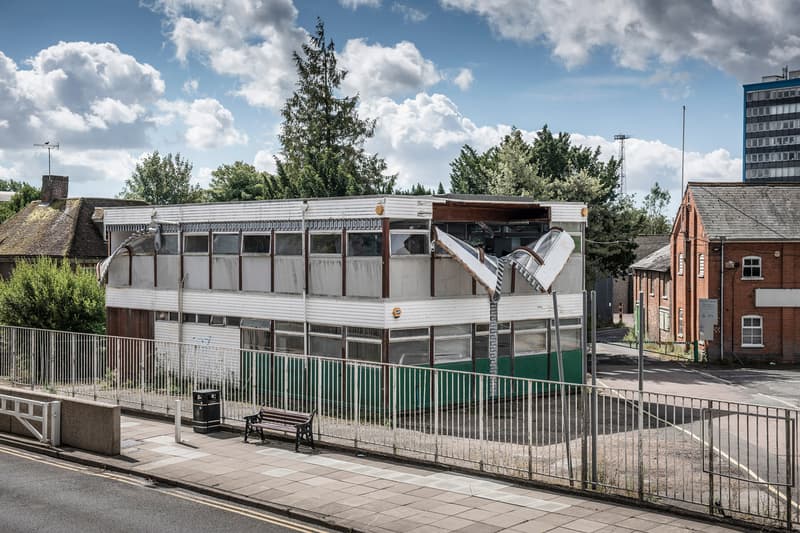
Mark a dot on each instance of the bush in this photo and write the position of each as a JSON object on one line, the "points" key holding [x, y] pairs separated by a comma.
{"points": [[48, 294]]}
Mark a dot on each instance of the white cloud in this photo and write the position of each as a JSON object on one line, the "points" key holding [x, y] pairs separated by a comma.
{"points": [[464, 79], [208, 123], [355, 4], [745, 39], [420, 136], [190, 87], [251, 40], [265, 160], [376, 70], [410, 14], [82, 94]]}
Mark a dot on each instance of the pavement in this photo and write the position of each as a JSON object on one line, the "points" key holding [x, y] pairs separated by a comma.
{"points": [[349, 491]]}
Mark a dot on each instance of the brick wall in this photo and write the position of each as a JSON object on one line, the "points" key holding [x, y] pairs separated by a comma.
{"points": [[652, 283], [780, 265]]}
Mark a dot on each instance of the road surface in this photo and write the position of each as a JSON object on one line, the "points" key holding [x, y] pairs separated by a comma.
{"points": [[41, 494]]}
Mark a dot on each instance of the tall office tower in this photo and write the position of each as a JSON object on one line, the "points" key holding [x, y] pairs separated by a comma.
{"points": [[772, 129]]}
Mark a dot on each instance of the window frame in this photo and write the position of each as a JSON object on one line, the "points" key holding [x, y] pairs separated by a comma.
{"points": [[238, 247], [664, 318], [760, 275], [195, 234], [178, 240], [312, 234], [665, 288], [760, 329], [278, 235], [701, 265], [255, 234], [680, 322], [681, 262], [410, 232]]}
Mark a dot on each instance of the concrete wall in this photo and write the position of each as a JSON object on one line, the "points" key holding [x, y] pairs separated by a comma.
{"points": [[85, 425]]}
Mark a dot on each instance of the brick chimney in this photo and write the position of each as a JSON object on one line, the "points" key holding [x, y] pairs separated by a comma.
{"points": [[54, 188]]}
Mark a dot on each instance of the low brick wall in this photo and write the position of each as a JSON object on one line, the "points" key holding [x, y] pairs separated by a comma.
{"points": [[85, 425]]}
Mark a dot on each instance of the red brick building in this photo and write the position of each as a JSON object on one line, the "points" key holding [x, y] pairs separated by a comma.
{"points": [[651, 275], [738, 244]]}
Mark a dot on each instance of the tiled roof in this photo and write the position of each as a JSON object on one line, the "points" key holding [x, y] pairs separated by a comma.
{"points": [[748, 211], [64, 228], [647, 244], [657, 261]]}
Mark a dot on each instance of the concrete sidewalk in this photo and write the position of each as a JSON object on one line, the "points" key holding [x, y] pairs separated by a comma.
{"points": [[348, 491]]}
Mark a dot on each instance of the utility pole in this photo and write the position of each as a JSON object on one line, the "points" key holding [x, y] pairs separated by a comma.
{"points": [[50, 146], [621, 137]]}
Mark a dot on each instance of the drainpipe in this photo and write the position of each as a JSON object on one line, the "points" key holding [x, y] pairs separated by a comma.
{"points": [[303, 210], [721, 317]]}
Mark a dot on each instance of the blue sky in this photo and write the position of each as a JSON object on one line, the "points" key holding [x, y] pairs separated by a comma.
{"points": [[112, 81]]}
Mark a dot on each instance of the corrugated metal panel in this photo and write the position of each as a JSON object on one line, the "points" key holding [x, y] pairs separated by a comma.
{"points": [[227, 337], [349, 311], [409, 208], [565, 212]]}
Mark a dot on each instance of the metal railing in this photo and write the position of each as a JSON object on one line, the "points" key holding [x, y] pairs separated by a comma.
{"points": [[41, 419], [725, 458]]}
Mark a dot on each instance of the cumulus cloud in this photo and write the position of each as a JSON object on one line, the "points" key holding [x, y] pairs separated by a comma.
{"points": [[377, 70], [355, 4], [464, 79], [251, 40], [265, 160], [745, 39], [208, 123], [82, 94], [410, 14], [190, 87], [420, 136]]}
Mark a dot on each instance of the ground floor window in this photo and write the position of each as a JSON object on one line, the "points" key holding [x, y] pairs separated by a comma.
{"points": [[481, 348], [663, 319], [530, 337], [409, 346], [364, 344], [452, 343], [680, 322], [255, 334], [752, 331], [289, 337], [325, 340]]}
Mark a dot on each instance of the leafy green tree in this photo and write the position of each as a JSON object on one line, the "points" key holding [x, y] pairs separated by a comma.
{"points": [[322, 136], [552, 168], [23, 195], [469, 173], [51, 295], [162, 180], [655, 222], [240, 182]]}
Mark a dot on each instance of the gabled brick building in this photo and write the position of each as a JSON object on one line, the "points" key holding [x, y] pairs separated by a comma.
{"points": [[738, 244], [651, 275]]}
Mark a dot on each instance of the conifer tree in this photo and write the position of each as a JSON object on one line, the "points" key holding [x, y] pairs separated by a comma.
{"points": [[322, 136]]}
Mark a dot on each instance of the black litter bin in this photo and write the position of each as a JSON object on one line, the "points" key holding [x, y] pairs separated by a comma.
{"points": [[205, 411]]}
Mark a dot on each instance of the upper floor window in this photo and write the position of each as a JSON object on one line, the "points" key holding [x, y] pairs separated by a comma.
{"points": [[225, 243], [650, 284], [680, 322], [288, 244], [664, 288], [752, 331], [701, 266], [255, 244], [169, 244], [326, 243], [680, 264], [751, 267], [195, 244]]}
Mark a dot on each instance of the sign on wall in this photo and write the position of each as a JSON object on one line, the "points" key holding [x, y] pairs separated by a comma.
{"points": [[708, 318]]}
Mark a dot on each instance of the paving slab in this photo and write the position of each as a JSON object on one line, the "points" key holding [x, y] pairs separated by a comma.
{"points": [[368, 494]]}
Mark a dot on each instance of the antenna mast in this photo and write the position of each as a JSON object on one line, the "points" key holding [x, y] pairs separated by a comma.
{"points": [[621, 138], [49, 146]]}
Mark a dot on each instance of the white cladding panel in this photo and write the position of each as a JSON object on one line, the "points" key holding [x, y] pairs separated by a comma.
{"points": [[348, 311], [339, 208], [564, 212], [777, 297]]}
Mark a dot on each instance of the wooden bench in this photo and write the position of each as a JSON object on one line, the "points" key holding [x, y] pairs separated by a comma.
{"points": [[281, 420]]}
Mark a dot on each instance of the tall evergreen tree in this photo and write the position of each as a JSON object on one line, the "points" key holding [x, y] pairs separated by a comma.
{"points": [[322, 136], [468, 172], [162, 180]]}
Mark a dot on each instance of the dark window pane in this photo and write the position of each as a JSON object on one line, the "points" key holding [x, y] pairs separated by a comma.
{"points": [[233, 321], [203, 319], [226, 244], [325, 346], [326, 244], [364, 244], [255, 244], [289, 326], [362, 351], [409, 353], [409, 244], [189, 317], [288, 244], [408, 224], [289, 343], [195, 244], [169, 244], [255, 339], [503, 346]]}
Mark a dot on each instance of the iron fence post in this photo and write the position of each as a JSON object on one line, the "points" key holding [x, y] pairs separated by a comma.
{"points": [[789, 469], [52, 362], [480, 421], [319, 398], [530, 430], [710, 458], [435, 406], [13, 355], [73, 369], [394, 410], [594, 417], [640, 416], [584, 412], [356, 404]]}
